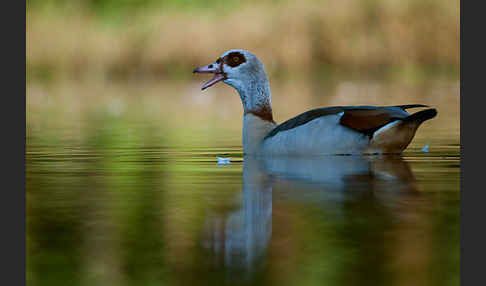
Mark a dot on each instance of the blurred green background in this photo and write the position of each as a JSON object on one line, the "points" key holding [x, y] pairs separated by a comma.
{"points": [[121, 142]]}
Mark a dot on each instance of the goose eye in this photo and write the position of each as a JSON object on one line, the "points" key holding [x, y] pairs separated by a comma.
{"points": [[234, 59]]}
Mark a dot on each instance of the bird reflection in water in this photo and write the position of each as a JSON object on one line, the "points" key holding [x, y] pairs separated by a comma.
{"points": [[238, 239]]}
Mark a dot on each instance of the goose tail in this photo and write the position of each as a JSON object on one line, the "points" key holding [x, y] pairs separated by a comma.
{"points": [[421, 116], [395, 136]]}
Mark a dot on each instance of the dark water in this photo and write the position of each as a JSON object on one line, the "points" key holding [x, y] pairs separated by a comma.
{"points": [[153, 215]]}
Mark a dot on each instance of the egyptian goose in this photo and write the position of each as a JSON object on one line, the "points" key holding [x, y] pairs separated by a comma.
{"points": [[330, 130]]}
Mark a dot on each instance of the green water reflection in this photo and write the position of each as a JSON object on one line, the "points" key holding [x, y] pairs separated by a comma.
{"points": [[140, 216]]}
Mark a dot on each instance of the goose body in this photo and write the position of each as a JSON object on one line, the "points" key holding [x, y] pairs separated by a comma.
{"points": [[322, 131]]}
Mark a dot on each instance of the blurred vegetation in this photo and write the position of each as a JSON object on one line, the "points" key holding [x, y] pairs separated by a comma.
{"points": [[130, 62], [112, 9], [153, 40]]}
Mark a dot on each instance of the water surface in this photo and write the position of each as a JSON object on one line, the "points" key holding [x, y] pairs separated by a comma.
{"points": [[126, 190]]}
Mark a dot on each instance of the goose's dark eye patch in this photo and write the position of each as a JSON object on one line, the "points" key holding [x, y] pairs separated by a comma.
{"points": [[218, 61], [234, 59]]}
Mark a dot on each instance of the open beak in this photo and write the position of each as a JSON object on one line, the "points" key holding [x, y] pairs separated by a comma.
{"points": [[219, 75]]}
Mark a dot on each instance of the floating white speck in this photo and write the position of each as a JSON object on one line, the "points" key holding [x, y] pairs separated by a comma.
{"points": [[426, 148], [223, 160]]}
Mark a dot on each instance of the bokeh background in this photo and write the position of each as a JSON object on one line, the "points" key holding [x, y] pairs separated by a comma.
{"points": [[97, 58], [111, 101]]}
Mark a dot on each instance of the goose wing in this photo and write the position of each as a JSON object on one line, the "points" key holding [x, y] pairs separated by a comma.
{"points": [[364, 119]]}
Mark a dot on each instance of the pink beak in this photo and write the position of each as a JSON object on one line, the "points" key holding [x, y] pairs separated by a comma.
{"points": [[211, 68]]}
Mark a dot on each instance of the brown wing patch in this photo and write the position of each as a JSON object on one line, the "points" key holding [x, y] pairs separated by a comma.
{"points": [[368, 120]]}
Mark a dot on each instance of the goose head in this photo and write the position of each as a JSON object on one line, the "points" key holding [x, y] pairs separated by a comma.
{"points": [[244, 72], [237, 68]]}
